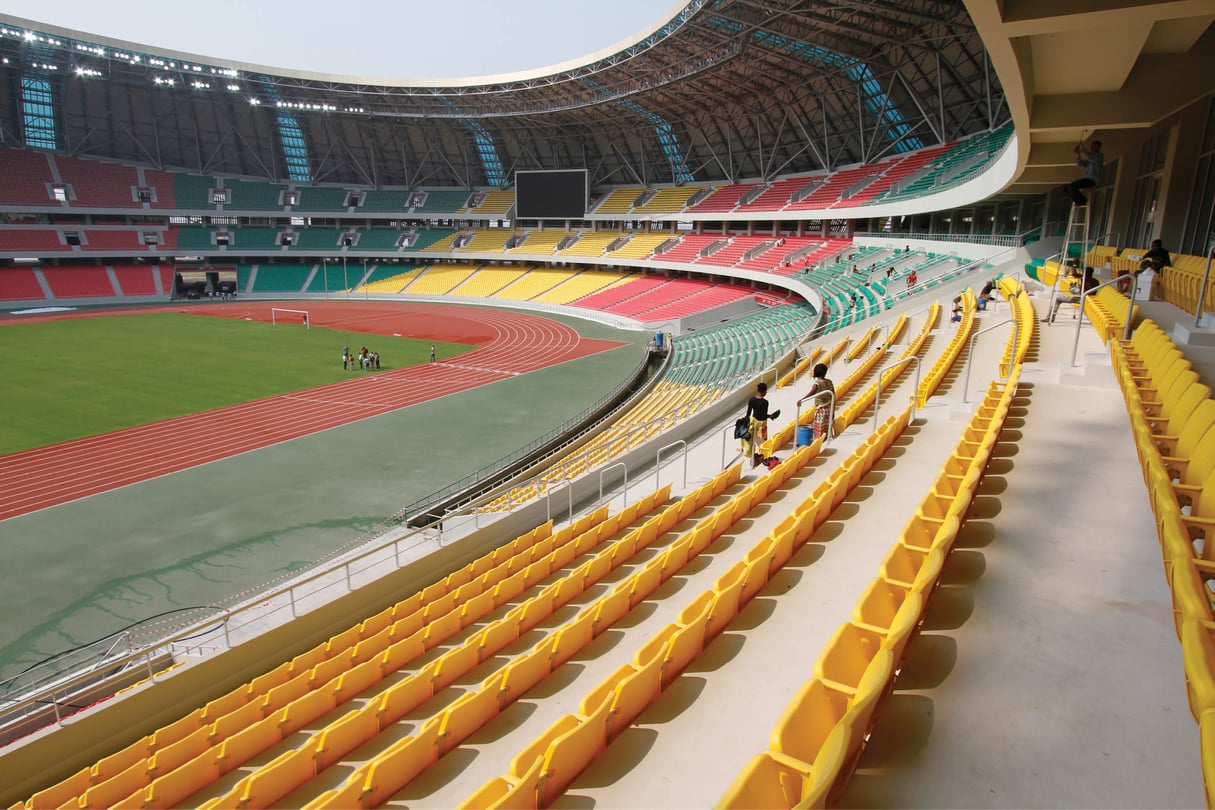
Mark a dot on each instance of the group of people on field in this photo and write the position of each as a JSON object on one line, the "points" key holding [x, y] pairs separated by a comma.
{"points": [[365, 359]]}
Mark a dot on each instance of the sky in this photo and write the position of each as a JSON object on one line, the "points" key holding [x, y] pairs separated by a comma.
{"points": [[375, 38]]}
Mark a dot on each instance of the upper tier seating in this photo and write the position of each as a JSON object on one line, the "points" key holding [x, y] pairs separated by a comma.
{"points": [[619, 201], [668, 200], [126, 239], [253, 195], [540, 243], [193, 192], [738, 247], [896, 173], [31, 240], [321, 198], [778, 195], [97, 184], [640, 246], [829, 192], [689, 247], [723, 199], [592, 243], [497, 201], [442, 201], [25, 177], [377, 199], [163, 185]]}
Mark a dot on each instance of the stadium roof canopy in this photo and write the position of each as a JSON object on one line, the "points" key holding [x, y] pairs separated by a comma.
{"points": [[725, 90]]}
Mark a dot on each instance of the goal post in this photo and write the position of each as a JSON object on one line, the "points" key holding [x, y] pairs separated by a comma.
{"points": [[291, 316]]}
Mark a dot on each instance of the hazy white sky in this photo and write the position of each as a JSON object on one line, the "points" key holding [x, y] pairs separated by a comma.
{"points": [[378, 38]]}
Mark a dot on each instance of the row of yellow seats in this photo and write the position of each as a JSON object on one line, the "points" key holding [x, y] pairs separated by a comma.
{"points": [[1023, 312], [853, 410], [118, 774], [1181, 283], [384, 775], [1109, 309], [789, 775], [1173, 423], [246, 727], [945, 363], [862, 343], [785, 435], [819, 737], [388, 771], [660, 410], [547, 766], [800, 367]]}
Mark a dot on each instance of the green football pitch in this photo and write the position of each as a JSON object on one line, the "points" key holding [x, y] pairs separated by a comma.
{"points": [[66, 379]]}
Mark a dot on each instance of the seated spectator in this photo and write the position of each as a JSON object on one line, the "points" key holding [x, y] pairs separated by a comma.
{"points": [[955, 315], [1086, 287], [1157, 258]]}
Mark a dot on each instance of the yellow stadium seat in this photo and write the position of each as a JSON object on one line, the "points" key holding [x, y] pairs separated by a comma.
{"points": [[568, 754], [304, 709], [728, 598], [400, 763], [1198, 657], [845, 658], [466, 714], [644, 581], [455, 663], [522, 674], [117, 788], [517, 793], [345, 734], [572, 637], [274, 780], [771, 780], [1206, 747], [633, 694], [807, 720]]}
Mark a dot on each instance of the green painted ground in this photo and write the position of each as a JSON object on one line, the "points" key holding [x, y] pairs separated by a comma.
{"points": [[72, 378], [199, 536]]}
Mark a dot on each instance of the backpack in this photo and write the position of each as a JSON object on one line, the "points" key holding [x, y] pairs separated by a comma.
{"points": [[742, 428]]}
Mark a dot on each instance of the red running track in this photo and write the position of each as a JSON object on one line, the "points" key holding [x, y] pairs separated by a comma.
{"points": [[508, 344]]}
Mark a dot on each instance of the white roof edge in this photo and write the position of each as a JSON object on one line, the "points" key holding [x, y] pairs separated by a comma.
{"points": [[378, 81]]}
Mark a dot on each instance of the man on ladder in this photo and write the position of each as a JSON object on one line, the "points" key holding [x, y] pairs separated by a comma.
{"points": [[1092, 161], [1077, 235]]}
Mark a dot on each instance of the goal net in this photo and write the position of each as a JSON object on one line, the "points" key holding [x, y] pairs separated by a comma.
{"points": [[290, 316]]}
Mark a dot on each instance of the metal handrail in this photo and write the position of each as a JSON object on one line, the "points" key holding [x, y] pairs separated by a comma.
{"points": [[613, 466], [970, 352], [877, 400], [658, 462], [1092, 291]]}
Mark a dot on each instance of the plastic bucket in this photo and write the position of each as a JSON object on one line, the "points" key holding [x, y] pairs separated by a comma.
{"points": [[805, 435]]}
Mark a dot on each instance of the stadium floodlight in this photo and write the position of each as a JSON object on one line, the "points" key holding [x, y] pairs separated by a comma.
{"points": [[254, 101], [234, 87]]}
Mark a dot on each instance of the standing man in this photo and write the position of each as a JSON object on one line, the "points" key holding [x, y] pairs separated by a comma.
{"points": [[345, 357], [432, 352], [1092, 161]]}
